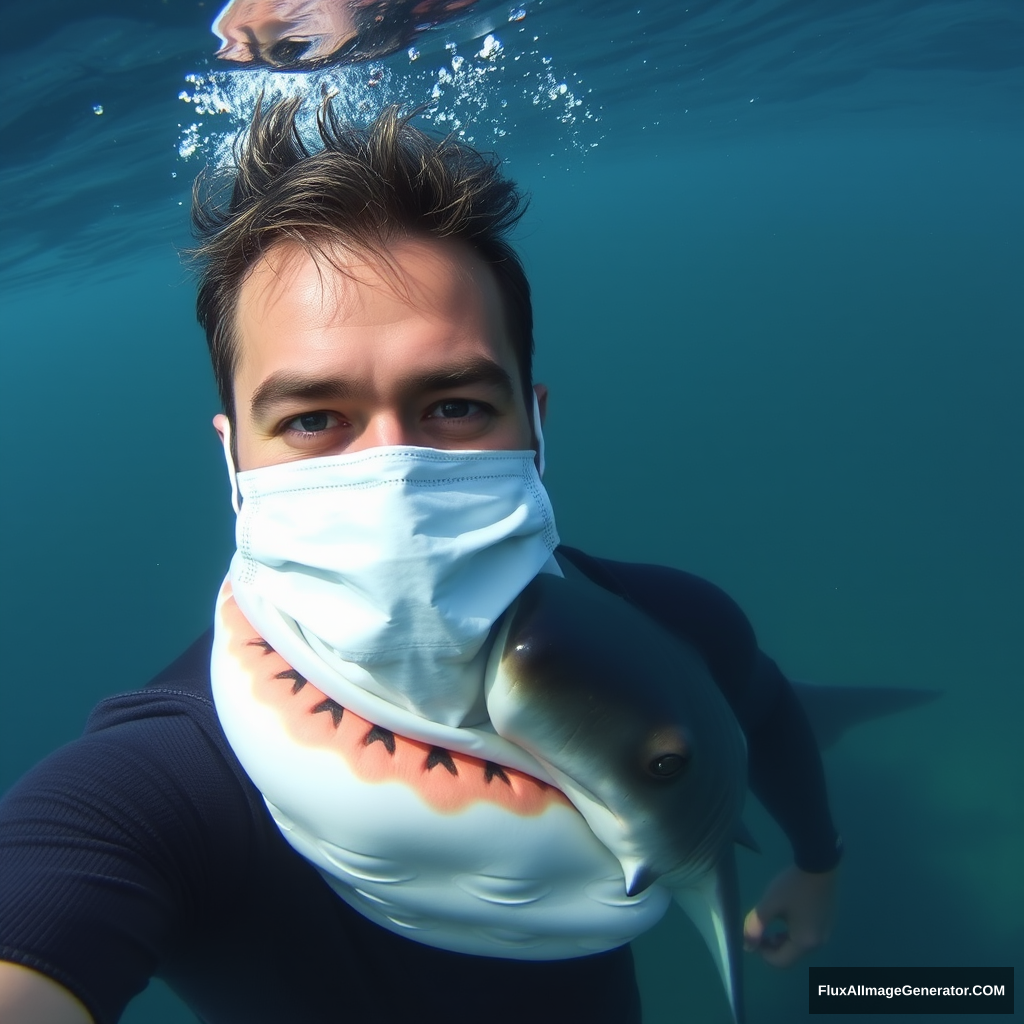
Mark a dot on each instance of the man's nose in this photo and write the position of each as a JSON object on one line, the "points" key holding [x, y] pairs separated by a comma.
{"points": [[383, 429]]}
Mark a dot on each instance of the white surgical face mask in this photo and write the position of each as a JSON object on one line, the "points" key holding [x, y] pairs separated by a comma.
{"points": [[388, 568]]}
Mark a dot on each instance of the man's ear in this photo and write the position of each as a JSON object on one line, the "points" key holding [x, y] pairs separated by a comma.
{"points": [[541, 391], [227, 440], [222, 425]]}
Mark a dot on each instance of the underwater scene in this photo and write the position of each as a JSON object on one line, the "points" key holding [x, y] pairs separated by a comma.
{"points": [[777, 256]]}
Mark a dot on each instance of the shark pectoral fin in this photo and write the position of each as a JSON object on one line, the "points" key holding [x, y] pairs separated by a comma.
{"points": [[713, 906], [745, 837]]}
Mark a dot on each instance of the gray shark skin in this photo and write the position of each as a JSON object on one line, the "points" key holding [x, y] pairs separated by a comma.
{"points": [[633, 728], [629, 722]]}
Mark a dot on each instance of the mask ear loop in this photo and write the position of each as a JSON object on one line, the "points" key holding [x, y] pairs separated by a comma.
{"points": [[551, 565], [236, 504], [538, 433]]}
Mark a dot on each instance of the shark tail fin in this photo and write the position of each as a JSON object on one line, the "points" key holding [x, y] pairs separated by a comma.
{"points": [[832, 710]]}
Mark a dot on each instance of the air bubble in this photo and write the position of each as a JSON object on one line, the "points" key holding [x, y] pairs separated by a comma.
{"points": [[491, 49], [462, 94]]}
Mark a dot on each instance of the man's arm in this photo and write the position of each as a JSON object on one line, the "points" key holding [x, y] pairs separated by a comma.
{"points": [[785, 767], [111, 844], [89, 890], [27, 997], [787, 776]]}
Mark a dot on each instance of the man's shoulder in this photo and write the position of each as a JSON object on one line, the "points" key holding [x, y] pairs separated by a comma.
{"points": [[156, 754], [181, 689], [167, 729]]}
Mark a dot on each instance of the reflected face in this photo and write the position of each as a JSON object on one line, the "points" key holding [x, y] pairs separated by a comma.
{"points": [[298, 34], [416, 353], [281, 32]]}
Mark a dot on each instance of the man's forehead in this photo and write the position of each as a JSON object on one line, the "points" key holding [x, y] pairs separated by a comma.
{"points": [[304, 305], [331, 278]]}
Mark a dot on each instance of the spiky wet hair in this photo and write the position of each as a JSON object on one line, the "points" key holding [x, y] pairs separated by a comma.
{"points": [[360, 191]]}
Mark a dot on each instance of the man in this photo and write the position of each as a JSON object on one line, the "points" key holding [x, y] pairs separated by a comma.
{"points": [[279, 824]]}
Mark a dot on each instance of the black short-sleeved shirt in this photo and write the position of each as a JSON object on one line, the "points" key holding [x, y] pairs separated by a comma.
{"points": [[142, 849]]}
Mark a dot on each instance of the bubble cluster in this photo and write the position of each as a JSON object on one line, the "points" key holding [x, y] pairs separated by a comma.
{"points": [[490, 91]]}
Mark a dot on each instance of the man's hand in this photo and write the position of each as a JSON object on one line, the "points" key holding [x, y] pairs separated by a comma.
{"points": [[30, 998], [805, 903]]}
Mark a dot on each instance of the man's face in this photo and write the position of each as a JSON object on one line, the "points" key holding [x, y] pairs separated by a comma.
{"points": [[281, 32], [415, 353]]}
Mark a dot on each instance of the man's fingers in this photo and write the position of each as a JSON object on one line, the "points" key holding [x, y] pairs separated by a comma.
{"points": [[802, 903], [771, 945], [753, 930], [757, 921], [777, 948], [755, 933], [784, 955]]}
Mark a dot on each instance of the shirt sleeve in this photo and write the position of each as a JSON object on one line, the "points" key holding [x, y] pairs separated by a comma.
{"points": [[106, 847], [786, 773], [783, 761]]}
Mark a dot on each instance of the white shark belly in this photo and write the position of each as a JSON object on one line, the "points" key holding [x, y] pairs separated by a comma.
{"points": [[482, 879], [455, 852]]}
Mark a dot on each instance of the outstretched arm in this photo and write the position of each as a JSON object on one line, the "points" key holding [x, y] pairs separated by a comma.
{"points": [[787, 776]]}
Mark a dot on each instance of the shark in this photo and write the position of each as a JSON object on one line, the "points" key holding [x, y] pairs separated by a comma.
{"points": [[630, 724]]}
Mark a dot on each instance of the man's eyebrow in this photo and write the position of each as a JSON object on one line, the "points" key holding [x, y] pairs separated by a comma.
{"points": [[475, 371], [287, 385]]}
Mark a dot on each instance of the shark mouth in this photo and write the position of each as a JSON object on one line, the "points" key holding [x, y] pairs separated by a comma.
{"points": [[446, 780]]}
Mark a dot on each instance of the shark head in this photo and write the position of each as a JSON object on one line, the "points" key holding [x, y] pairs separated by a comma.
{"points": [[628, 720]]}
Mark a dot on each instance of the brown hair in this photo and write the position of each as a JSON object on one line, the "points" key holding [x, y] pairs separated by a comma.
{"points": [[365, 188]]}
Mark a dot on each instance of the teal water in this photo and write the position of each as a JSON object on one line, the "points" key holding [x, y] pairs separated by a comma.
{"points": [[785, 353]]}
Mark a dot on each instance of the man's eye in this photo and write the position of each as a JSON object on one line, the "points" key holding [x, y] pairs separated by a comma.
{"points": [[454, 409], [288, 51], [312, 422]]}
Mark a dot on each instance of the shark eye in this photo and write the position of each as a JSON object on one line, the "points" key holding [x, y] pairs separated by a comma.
{"points": [[667, 765]]}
